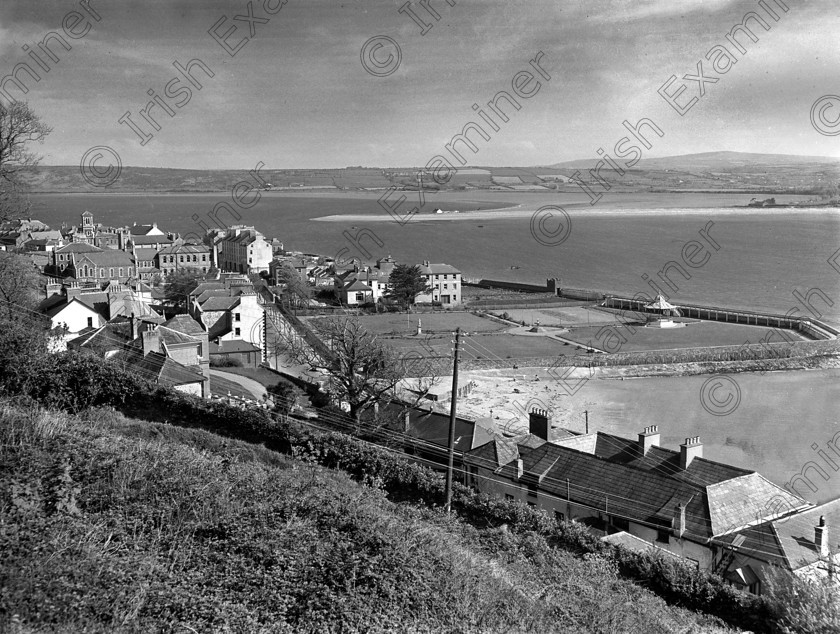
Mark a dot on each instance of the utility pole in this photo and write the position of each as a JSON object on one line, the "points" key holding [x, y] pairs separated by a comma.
{"points": [[452, 410]]}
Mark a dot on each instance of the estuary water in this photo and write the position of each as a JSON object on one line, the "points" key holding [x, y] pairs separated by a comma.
{"points": [[766, 259]]}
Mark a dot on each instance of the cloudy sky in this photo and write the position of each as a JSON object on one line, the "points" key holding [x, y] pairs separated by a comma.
{"points": [[296, 94]]}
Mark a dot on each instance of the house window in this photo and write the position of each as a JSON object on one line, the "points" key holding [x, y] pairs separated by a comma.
{"points": [[532, 490], [237, 331], [621, 523], [111, 272], [663, 535], [446, 286], [559, 517], [121, 271], [101, 272], [203, 257], [237, 316], [90, 322]]}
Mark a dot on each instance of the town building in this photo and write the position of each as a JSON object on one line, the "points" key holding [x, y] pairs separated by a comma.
{"points": [[229, 310], [186, 256], [243, 249], [77, 307], [677, 501], [145, 259], [62, 257], [362, 285], [101, 265], [445, 283]]}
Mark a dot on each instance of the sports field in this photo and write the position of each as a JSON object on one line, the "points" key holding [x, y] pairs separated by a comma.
{"points": [[432, 323], [695, 334]]}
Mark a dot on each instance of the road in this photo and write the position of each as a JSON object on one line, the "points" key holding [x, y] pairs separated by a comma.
{"points": [[256, 389]]}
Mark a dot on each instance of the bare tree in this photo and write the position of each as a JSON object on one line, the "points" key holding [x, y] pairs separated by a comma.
{"points": [[361, 369], [20, 127], [19, 284]]}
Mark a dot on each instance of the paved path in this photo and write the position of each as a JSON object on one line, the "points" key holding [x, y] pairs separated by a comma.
{"points": [[255, 388]]}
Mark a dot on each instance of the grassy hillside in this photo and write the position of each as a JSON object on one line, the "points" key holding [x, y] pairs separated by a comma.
{"points": [[110, 524]]}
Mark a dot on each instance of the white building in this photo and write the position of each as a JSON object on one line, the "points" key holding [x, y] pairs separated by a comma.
{"points": [[445, 283], [244, 250]]}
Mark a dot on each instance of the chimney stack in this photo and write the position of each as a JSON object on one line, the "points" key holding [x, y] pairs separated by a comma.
{"points": [[538, 424], [520, 468], [151, 342], [679, 521], [135, 326], [648, 438], [72, 291], [692, 448], [406, 420], [821, 537]]}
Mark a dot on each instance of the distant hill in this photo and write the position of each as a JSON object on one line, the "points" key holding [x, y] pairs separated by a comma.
{"points": [[708, 171], [712, 161]]}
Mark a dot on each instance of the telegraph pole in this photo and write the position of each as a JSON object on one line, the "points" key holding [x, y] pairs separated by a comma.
{"points": [[452, 410]]}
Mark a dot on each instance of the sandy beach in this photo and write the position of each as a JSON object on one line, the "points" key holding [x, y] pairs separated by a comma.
{"points": [[575, 209]]}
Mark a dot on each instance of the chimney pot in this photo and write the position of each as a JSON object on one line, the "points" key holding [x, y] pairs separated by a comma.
{"points": [[692, 448], [821, 537], [648, 438], [151, 341], [679, 521], [538, 424]]}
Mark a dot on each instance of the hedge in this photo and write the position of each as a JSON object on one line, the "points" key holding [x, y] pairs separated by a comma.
{"points": [[73, 381]]}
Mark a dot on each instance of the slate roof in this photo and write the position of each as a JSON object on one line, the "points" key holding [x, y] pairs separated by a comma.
{"points": [[79, 247], [356, 285], [158, 367], [657, 459], [219, 303], [740, 501], [107, 257], [437, 269], [232, 347], [207, 286], [111, 336], [172, 337], [609, 473], [142, 230], [146, 253], [140, 240], [184, 324], [184, 248], [790, 541]]}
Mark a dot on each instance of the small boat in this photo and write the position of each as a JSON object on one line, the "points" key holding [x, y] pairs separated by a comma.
{"points": [[481, 226]]}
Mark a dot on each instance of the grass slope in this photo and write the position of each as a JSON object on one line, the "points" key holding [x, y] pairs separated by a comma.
{"points": [[110, 524]]}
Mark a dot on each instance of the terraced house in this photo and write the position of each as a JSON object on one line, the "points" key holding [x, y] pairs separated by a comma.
{"points": [[243, 250], [640, 494]]}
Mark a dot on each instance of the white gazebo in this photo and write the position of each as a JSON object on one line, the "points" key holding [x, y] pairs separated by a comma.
{"points": [[666, 312]]}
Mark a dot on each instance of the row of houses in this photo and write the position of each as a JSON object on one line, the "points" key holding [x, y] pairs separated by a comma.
{"points": [[92, 252], [126, 321], [724, 519], [370, 284]]}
